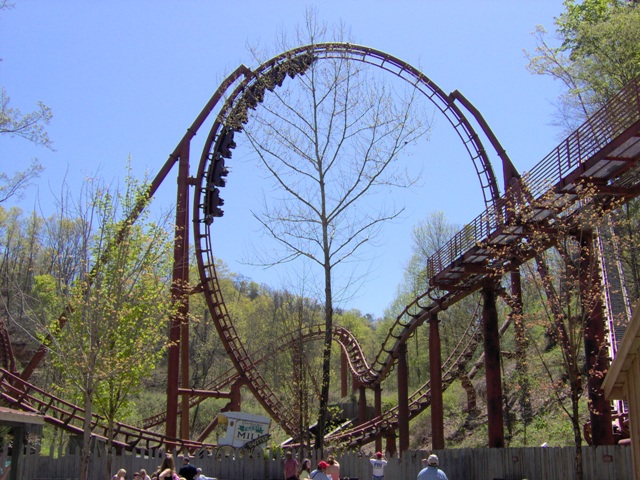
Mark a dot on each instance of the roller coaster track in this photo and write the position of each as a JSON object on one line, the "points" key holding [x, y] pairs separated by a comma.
{"points": [[289, 63], [60, 413], [234, 113], [341, 335], [603, 153], [452, 367]]}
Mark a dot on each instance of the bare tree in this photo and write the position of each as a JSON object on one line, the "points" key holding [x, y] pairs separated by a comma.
{"points": [[30, 127], [330, 140]]}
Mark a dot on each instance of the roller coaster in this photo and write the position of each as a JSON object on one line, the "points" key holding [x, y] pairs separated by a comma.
{"points": [[603, 153]]}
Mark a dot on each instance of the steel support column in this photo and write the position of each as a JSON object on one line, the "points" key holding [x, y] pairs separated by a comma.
{"points": [[362, 405], [235, 404], [344, 374], [390, 441], [492, 365], [183, 179], [435, 378], [403, 399], [377, 411], [595, 343], [179, 294]]}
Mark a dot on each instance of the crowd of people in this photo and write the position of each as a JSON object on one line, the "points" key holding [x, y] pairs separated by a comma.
{"points": [[328, 469], [325, 470], [168, 471]]}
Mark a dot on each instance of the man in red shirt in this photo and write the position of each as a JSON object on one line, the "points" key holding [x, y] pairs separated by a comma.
{"points": [[290, 467]]}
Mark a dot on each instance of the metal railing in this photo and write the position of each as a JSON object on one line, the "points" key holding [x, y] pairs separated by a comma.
{"points": [[620, 113]]}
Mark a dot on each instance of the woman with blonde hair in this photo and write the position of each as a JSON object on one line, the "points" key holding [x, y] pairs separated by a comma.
{"points": [[121, 475]]}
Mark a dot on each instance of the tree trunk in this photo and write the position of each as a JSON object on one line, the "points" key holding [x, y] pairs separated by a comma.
{"points": [[326, 374], [109, 448], [86, 437], [577, 436]]}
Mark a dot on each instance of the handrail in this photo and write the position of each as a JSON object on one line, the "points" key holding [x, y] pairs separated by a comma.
{"points": [[620, 113]]}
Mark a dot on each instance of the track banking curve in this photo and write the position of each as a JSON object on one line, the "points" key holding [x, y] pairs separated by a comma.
{"points": [[247, 94]]}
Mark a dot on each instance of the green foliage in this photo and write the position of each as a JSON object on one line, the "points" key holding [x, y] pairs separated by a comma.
{"points": [[576, 15], [115, 326], [47, 295], [597, 55], [263, 316], [627, 228]]}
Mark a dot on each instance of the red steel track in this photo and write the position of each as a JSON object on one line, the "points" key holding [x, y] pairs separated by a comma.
{"points": [[342, 336], [20, 394], [603, 153], [246, 95]]}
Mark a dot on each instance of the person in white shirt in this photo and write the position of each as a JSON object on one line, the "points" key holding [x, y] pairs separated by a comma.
{"points": [[378, 462], [201, 476]]}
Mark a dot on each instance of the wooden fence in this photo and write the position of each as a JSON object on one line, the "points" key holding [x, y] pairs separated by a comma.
{"points": [[532, 463]]}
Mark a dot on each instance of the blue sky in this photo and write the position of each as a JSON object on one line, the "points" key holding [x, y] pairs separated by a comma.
{"points": [[126, 79]]}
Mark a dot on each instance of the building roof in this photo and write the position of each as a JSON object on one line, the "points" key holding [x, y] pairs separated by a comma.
{"points": [[10, 416], [616, 377]]}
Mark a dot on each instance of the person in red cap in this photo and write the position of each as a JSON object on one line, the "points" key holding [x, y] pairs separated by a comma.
{"points": [[320, 472], [378, 462]]}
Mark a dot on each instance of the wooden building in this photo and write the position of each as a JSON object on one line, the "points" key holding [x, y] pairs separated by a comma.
{"points": [[622, 382], [25, 427]]}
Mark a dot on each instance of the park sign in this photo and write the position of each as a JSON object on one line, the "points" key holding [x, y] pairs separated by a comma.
{"points": [[242, 428], [251, 444]]}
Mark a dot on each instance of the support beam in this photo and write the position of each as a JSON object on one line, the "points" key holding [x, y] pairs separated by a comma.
{"points": [[344, 374], [377, 411], [235, 405], [403, 399], [183, 189], [391, 447], [492, 366], [362, 405], [595, 343], [435, 378], [521, 346], [180, 281]]}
